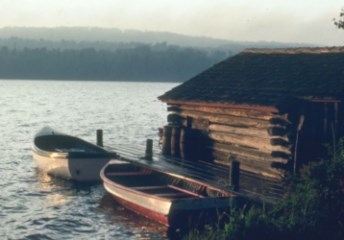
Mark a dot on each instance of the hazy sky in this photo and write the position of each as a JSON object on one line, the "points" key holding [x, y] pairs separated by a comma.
{"points": [[308, 21]]}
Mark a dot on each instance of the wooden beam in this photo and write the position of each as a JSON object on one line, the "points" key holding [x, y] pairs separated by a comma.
{"points": [[254, 163], [271, 173], [227, 119], [247, 153], [229, 111], [237, 130], [262, 144], [269, 109]]}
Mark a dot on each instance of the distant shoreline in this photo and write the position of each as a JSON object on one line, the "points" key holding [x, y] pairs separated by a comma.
{"points": [[88, 80]]}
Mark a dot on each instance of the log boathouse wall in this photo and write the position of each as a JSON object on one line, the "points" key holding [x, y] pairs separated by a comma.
{"points": [[271, 110], [261, 140]]}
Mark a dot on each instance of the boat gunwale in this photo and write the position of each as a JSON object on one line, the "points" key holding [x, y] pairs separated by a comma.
{"points": [[108, 181], [161, 198], [49, 154], [99, 152]]}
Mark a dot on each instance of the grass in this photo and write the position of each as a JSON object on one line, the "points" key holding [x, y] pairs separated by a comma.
{"points": [[313, 208]]}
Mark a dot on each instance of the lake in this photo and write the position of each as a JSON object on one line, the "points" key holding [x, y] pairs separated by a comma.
{"points": [[36, 206]]}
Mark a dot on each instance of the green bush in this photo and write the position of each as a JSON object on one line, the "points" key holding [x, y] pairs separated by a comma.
{"points": [[249, 223], [312, 209], [314, 206]]}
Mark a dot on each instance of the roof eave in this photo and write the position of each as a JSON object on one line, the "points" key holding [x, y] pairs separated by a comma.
{"points": [[269, 109]]}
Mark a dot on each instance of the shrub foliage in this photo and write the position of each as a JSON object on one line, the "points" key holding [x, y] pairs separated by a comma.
{"points": [[312, 209]]}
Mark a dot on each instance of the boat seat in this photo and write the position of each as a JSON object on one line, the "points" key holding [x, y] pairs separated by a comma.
{"points": [[150, 187], [114, 174], [174, 195], [165, 191], [186, 191]]}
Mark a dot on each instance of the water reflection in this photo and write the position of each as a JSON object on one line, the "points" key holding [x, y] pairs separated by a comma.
{"points": [[142, 226], [59, 193], [36, 206], [51, 187]]}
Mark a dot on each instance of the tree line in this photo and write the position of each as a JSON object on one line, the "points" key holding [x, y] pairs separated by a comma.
{"points": [[158, 62]]}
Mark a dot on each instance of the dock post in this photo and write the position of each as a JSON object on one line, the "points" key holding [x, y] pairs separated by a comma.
{"points": [[166, 140], [100, 137], [149, 149], [234, 175]]}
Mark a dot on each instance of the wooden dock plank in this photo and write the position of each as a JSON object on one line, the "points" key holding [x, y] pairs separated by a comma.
{"points": [[260, 188]]}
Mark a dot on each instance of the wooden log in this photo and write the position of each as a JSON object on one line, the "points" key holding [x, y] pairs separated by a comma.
{"points": [[227, 119], [100, 137], [174, 119], [175, 141], [200, 124], [249, 163], [248, 153], [166, 140], [261, 163], [270, 133], [273, 117], [280, 121], [270, 173], [173, 108], [280, 142], [256, 132], [279, 131], [252, 142], [185, 143], [239, 112], [192, 145]]}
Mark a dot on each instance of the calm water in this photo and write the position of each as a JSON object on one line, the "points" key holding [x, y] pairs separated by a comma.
{"points": [[35, 206]]}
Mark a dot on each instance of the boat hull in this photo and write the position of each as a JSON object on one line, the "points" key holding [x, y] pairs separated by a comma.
{"points": [[78, 169], [178, 218], [139, 208], [68, 157], [168, 204], [54, 166]]}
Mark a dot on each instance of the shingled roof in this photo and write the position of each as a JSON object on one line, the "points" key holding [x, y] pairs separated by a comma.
{"points": [[266, 77]]}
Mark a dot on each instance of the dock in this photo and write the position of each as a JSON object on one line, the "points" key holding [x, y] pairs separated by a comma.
{"points": [[250, 187]]}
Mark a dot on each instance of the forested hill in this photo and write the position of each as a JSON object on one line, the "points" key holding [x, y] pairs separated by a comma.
{"points": [[113, 36], [110, 54], [140, 62]]}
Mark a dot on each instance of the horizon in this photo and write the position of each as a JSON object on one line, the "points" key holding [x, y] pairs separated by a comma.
{"points": [[144, 31], [303, 21]]}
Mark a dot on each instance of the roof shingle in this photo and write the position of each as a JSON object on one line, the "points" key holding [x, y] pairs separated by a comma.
{"points": [[267, 77]]}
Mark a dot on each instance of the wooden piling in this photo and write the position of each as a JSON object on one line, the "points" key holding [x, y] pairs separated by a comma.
{"points": [[190, 145], [234, 174], [149, 149], [175, 138], [183, 144], [186, 144], [100, 137], [166, 140]]}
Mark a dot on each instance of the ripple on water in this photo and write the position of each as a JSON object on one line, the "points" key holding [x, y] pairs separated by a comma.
{"points": [[36, 206]]}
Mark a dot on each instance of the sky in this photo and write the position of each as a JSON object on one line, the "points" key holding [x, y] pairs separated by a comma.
{"points": [[299, 21]]}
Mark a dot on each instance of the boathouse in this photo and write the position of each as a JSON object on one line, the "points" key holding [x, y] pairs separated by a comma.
{"points": [[271, 110]]}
